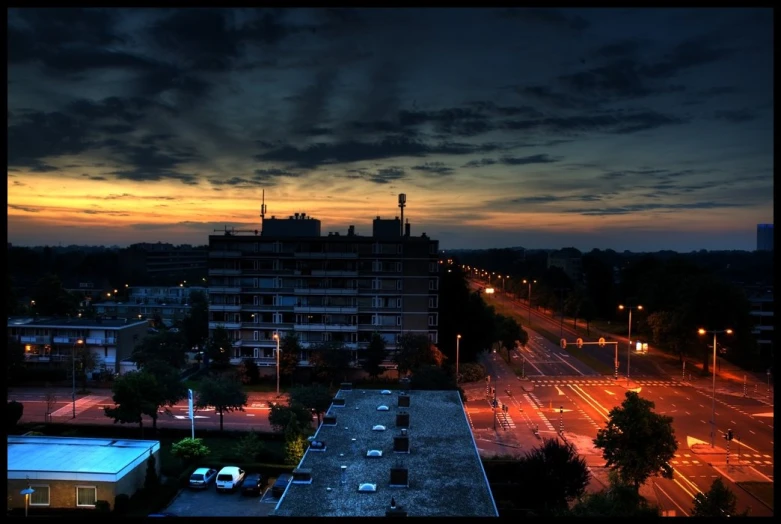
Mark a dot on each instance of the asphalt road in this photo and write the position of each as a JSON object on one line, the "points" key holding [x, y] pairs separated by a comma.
{"points": [[89, 410], [579, 404]]}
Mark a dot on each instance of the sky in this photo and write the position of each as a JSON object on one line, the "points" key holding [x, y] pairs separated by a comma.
{"points": [[627, 129]]}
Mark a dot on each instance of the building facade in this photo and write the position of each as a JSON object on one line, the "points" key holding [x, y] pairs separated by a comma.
{"points": [[764, 237], [760, 299], [334, 288], [570, 261], [53, 341], [66, 472]]}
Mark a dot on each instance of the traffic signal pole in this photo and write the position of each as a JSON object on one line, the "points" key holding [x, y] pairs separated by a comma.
{"points": [[601, 343]]}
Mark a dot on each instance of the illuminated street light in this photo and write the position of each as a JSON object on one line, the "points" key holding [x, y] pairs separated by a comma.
{"points": [[702, 331], [530, 282], [276, 337], [458, 342], [73, 373], [629, 336]]}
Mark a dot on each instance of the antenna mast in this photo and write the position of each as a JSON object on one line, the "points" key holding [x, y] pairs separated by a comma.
{"points": [[402, 203], [263, 209]]}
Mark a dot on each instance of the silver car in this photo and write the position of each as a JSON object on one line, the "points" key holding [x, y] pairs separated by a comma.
{"points": [[202, 477]]}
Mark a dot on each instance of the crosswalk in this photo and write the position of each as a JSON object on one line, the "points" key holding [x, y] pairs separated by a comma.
{"points": [[532, 399], [687, 459], [599, 382]]}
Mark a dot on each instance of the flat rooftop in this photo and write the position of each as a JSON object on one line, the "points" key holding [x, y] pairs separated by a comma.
{"points": [[445, 474], [65, 458], [52, 322]]}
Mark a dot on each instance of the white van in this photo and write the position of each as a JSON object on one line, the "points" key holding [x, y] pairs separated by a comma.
{"points": [[229, 478]]}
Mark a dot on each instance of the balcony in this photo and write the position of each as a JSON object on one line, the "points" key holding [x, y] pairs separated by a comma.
{"points": [[226, 325], [34, 340], [326, 327], [325, 291], [224, 254], [224, 272], [352, 310], [334, 273], [100, 341], [225, 307], [224, 290], [66, 340], [321, 255]]}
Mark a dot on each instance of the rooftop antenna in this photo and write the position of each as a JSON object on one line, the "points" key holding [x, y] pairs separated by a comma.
{"points": [[263, 209], [402, 204]]}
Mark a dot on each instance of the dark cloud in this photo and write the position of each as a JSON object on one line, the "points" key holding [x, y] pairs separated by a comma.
{"points": [[381, 176], [737, 116], [355, 151], [480, 163], [688, 54], [546, 16], [437, 168], [619, 79], [533, 159], [621, 49], [651, 206], [26, 209], [39, 135]]}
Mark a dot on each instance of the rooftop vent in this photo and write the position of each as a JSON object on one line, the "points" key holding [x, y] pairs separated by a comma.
{"points": [[401, 444], [338, 403], [403, 400], [378, 427], [367, 487], [382, 408], [374, 453], [399, 477], [385, 392], [317, 445], [302, 476], [329, 420], [402, 420], [347, 386]]}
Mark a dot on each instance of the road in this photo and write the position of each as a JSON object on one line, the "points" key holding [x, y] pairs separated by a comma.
{"points": [[89, 410], [550, 401]]}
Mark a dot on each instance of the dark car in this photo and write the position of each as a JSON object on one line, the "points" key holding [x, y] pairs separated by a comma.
{"points": [[280, 484], [253, 484]]}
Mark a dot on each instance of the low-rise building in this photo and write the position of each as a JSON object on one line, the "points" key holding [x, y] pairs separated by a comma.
{"points": [[52, 341], [66, 472], [169, 303], [381, 453]]}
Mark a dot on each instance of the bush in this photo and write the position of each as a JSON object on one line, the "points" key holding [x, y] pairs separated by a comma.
{"points": [[14, 412], [472, 372], [102, 506], [121, 503]]}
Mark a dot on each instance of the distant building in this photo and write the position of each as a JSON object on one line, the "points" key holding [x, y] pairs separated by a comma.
{"points": [[334, 288], [381, 453], [75, 473], [169, 303], [568, 260], [760, 299], [764, 237], [51, 341], [164, 259]]}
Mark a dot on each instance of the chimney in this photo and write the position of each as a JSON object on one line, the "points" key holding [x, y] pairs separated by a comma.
{"points": [[399, 477], [401, 444], [403, 400], [406, 229], [344, 474], [402, 420], [351, 231], [303, 215], [296, 215]]}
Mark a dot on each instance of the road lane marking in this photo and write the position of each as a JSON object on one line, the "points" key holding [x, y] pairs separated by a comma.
{"points": [[751, 432], [687, 412], [671, 499], [570, 365], [701, 421]]}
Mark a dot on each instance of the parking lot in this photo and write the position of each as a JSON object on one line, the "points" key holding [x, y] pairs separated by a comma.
{"points": [[209, 503]]}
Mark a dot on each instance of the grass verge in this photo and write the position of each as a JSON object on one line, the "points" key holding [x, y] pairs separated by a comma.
{"points": [[761, 490]]}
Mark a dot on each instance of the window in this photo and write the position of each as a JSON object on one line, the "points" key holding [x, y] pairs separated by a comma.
{"points": [[254, 300], [398, 320], [432, 284], [86, 495], [433, 267], [398, 267], [40, 496], [254, 335], [432, 302], [398, 284], [432, 320]]}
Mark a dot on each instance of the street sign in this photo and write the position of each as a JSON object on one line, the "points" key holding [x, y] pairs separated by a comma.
{"points": [[563, 343], [601, 342]]}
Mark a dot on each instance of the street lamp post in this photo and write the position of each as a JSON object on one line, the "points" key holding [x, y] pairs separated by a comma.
{"points": [[276, 337], [629, 337], [713, 399], [73, 374], [530, 297], [458, 344], [27, 492]]}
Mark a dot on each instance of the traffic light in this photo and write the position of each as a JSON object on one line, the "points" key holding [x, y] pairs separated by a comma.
{"points": [[728, 435], [580, 342], [563, 343], [601, 342]]}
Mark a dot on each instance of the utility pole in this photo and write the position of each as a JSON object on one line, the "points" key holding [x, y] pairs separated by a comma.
{"points": [[561, 291]]}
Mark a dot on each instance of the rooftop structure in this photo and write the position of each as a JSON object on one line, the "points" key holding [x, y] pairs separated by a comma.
{"points": [[371, 451], [75, 459]]}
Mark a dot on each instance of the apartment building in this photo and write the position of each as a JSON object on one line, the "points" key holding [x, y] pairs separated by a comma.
{"points": [[52, 341], [169, 303], [334, 287]]}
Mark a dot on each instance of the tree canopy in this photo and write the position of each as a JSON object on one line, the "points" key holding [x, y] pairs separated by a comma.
{"points": [[374, 356], [219, 348], [134, 395], [314, 397], [166, 346], [279, 415], [719, 501], [415, 350], [636, 442], [223, 393]]}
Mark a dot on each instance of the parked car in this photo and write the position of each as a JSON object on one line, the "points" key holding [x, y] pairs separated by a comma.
{"points": [[202, 477], [229, 478], [280, 484], [253, 484]]}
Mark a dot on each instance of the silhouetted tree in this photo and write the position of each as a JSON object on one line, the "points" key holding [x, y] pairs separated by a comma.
{"points": [[374, 356], [223, 393]]}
